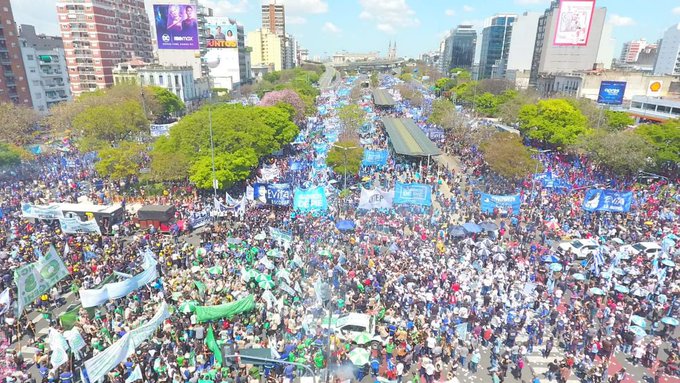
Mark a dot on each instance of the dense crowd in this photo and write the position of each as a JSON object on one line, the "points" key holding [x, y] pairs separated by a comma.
{"points": [[444, 304]]}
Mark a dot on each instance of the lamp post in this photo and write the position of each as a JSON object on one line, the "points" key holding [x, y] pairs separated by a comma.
{"points": [[533, 180], [211, 65], [345, 149]]}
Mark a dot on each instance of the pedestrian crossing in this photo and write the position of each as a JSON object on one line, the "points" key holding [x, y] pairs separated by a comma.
{"points": [[538, 364]]}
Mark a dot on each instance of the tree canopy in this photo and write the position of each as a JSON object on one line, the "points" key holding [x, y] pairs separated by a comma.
{"points": [[18, 123], [352, 117], [624, 153], [122, 162], [286, 96], [508, 157], [444, 114], [336, 157], [168, 103], [554, 121], [241, 136], [665, 142]]}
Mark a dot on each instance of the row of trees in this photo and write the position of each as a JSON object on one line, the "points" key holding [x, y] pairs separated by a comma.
{"points": [[301, 80]]}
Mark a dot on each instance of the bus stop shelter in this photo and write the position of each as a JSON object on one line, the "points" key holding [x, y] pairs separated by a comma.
{"points": [[383, 99], [408, 139]]}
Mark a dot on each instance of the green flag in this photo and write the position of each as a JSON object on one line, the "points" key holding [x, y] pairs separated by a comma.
{"points": [[69, 318], [212, 345], [227, 310], [200, 286]]}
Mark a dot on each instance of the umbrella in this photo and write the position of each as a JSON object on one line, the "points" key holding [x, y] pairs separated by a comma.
{"points": [[596, 291], [640, 292], [457, 231], [486, 242], [555, 267], [622, 255], [359, 356], [468, 241], [488, 226], [549, 259], [662, 298], [261, 277], [670, 321], [638, 321], [325, 253], [248, 274], [362, 338], [260, 236], [499, 257], [497, 249], [481, 245], [471, 227], [483, 252], [234, 241], [637, 330], [606, 274], [283, 273], [579, 277], [622, 289], [200, 252], [266, 284], [215, 270], [187, 306], [668, 262], [618, 271], [345, 225]]}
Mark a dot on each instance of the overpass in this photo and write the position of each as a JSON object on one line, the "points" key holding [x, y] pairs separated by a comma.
{"points": [[379, 65]]}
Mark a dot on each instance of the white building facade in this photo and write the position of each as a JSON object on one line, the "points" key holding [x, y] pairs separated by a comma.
{"points": [[668, 59], [47, 76]]}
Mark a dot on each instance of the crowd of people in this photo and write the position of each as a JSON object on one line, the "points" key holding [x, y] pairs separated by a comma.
{"points": [[443, 305]]}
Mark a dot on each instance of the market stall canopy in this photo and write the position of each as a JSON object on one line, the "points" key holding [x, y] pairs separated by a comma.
{"points": [[408, 139], [381, 97], [162, 213]]}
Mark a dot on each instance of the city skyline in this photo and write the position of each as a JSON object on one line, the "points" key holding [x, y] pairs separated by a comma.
{"points": [[328, 26]]}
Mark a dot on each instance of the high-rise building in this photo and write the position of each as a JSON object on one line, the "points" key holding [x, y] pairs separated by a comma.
{"points": [[463, 41], [265, 49], [495, 46], [668, 58], [631, 50], [229, 65], [13, 82], [289, 52], [522, 41], [274, 18], [45, 65], [551, 58], [99, 34]]}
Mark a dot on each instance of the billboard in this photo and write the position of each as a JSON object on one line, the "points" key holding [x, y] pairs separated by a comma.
{"points": [[176, 26], [611, 92], [574, 20], [221, 34]]}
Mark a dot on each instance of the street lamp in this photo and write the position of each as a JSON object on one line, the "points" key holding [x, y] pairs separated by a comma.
{"points": [[345, 149], [212, 64], [533, 180]]}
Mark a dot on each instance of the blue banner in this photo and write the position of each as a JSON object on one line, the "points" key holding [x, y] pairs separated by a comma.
{"points": [[502, 202], [278, 194], [296, 166], [550, 181], [413, 194], [374, 157], [312, 199], [607, 200], [320, 148]]}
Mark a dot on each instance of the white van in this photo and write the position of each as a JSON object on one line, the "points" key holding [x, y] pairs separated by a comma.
{"points": [[649, 249], [348, 326]]}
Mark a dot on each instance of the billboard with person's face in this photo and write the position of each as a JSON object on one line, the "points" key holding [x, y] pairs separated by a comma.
{"points": [[176, 26], [221, 35]]}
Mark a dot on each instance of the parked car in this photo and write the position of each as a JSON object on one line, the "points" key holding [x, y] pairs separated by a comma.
{"points": [[583, 248], [649, 249]]}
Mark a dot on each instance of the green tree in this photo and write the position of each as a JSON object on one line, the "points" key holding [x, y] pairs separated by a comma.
{"points": [[444, 114], [105, 124], [487, 104], [406, 77], [622, 152], [19, 123], [444, 84], [122, 162], [508, 157], [461, 75], [555, 122], [665, 141], [169, 103], [508, 111], [352, 117], [617, 120], [410, 94], [374, 80], [229, 168], [348, 159], [9, 155], [167, 166]]}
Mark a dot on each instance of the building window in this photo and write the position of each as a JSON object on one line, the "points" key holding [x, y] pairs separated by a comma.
{"points": [[160, 79], [29, 57]]}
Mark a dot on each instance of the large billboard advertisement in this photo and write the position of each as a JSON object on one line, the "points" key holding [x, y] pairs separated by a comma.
{"points": [[176, 26], [221, 34], [611, 92], [574, 20]]}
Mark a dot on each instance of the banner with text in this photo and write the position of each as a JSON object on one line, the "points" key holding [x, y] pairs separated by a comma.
{"points": [[41, 212], [607, 200], [376, 199], [413, 194], [500, 202], [76, 226], [37, 278], [374, 157], [312, 199]]}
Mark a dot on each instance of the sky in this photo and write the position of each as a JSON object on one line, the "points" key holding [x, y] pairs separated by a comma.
{"points": [[328, 26]]}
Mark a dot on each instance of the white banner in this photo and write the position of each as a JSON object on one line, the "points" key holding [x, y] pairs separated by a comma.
{"points": [[75, 341], [135, 375], [76, 226], [115, 290], [41, 212], [101, 364], [34, 279], [5, 301], [375, 199], [269, 173]]}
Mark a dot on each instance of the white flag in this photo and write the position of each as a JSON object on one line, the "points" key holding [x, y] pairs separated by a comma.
{"points": [[135, 375], [58, 345], [5, 301]]}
